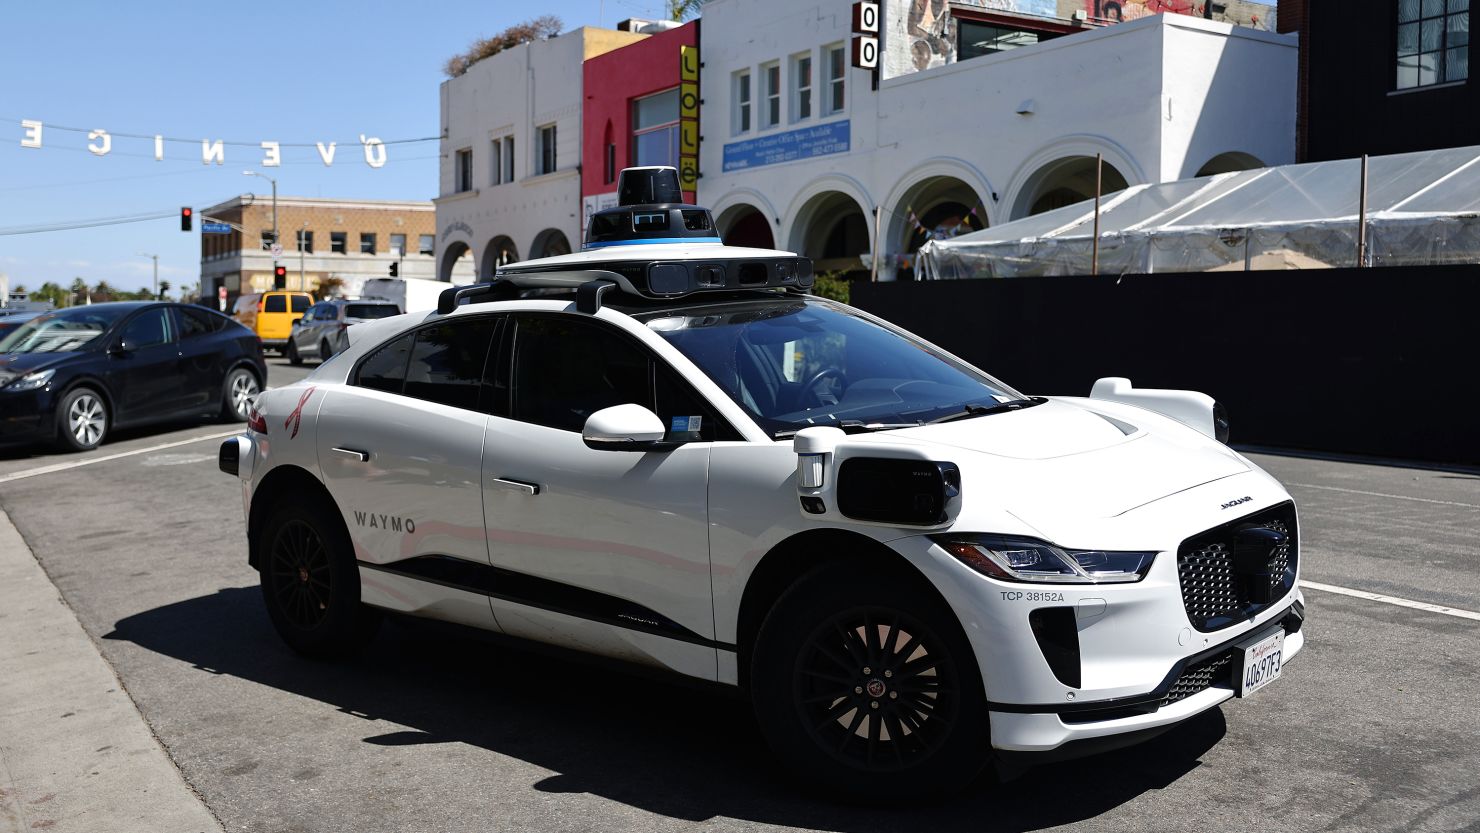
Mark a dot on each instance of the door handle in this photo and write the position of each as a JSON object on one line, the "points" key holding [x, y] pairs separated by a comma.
{"points": [[354, 454], [530, 489]]}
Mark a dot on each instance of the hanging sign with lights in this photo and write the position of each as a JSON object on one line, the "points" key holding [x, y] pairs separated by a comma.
{"points": [[213, 151]]}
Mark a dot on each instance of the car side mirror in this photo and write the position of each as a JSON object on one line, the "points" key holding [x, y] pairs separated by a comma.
{"points": [[118, 348], [625, 428]]}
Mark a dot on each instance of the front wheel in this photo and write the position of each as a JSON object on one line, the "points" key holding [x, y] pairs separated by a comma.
{"points": [[868, 685], [82, 420], [310, 583]]}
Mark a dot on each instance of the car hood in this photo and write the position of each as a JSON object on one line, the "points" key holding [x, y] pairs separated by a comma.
{"points": [[1066, 459], [19, 364]]}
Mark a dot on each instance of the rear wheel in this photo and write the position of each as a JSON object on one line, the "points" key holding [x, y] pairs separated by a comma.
{"points": [[293, 357], [326, 352], [82, 420], [237, 392], [310, 583], [867, 685]]}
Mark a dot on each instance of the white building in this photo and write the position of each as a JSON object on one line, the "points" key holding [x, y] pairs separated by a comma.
{"points": [[799, 148], [511, 137]]}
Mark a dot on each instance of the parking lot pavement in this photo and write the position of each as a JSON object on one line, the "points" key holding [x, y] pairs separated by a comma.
{"points": [[1374, 727]]}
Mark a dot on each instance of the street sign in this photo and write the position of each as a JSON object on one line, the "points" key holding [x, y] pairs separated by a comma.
{"points": [[215, 228], [277, 250]]}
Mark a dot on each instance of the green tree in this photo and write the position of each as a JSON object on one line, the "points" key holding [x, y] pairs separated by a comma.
{"points": [[164, 290], [20, 288], [52, 292], [79, 291], [682, 10], [103, 292]]}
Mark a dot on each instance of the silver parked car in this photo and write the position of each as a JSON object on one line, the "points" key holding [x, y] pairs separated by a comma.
{"points": [[321, 331]]}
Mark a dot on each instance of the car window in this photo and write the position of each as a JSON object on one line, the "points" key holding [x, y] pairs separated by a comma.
{"points": [[371, 311], [685, 414], [447, 360], [566, 369], [195, 323], [300, 303], [275, 303], [147, 329], [385, 370]]}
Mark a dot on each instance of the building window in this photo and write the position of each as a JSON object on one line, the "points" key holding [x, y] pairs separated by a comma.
{"points": [[1433, 42], [546, 145], [367, 243], [398, 244], [426, 243], [269, 237], [801, 86], [834, 89], [655, 129], [508, 159], [770, 95], [974, 39], [740, 115], [496, 162], [305, 241], [464, 170], [338, 242]]}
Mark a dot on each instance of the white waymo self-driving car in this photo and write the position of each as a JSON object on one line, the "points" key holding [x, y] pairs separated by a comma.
{"points": [[664, 450]]}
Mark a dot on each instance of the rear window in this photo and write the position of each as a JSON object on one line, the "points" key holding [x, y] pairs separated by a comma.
{"points": [[300, 302], [368, 311], [275, 303]]}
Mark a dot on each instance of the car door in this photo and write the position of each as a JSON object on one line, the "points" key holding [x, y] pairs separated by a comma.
{"points": [[606, 551], [400, 447], [200, 363], [301, 334], [143, 368]]}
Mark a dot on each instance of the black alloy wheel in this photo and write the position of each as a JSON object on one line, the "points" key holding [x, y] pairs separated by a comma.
{"points": [[310, 582], [866, 684], [876, 689]]}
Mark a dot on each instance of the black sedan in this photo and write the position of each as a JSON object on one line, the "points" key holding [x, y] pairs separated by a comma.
{"points": [[73, 375]]}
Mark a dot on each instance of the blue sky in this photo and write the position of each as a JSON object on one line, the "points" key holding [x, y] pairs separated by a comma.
{"points": [[265, 70]]}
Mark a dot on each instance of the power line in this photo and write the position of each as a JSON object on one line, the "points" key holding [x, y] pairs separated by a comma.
{"points": [[80, 224]]}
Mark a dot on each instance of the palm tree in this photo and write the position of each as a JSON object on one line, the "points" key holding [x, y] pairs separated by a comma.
{"points": [[104, 292], [51, 292], [683, 9], [79, 291]]}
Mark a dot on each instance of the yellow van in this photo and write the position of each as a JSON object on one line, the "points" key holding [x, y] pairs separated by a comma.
{"points": [[271, 315]]}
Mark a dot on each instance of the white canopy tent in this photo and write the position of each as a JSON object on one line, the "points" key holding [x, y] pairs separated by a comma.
{"points": [[1422, 208]]}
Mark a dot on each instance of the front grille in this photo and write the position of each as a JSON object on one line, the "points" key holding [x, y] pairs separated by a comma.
{"points": [[1219, 589], [1200, 677]]}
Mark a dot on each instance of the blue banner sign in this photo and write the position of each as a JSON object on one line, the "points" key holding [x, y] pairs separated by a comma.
{"points": [[786, 147], [215, 228]]}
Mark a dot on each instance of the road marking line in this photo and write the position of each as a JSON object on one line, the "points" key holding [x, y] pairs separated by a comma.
{"points": [[56, 467], [1384, 494], [1392, 600]]}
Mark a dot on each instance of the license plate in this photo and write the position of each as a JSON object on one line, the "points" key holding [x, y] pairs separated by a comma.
{"points": [[1261, 662]]}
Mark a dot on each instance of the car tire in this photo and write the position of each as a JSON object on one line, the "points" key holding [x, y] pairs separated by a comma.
{"points": [[310, 583], [866, 685], [293, 357], [236, 392], [82, 420]]}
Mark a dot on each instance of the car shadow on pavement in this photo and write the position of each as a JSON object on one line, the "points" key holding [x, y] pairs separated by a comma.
{"points": [[53, 454], [661, 746]]}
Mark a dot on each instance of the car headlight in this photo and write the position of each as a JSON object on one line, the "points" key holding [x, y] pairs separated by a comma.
{"points": [[1029, 560], [31, 381]]}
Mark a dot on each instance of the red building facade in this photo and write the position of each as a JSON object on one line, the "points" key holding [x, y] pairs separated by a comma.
{"points": [[633, 112]]}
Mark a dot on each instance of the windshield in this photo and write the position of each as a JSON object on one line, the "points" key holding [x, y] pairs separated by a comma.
{"points": [[371, 311], [792, 364], [61, 332]]}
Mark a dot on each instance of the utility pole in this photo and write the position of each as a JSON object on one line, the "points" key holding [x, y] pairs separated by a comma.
{"points": [[156, 272], [276, 240], [302, 282]]}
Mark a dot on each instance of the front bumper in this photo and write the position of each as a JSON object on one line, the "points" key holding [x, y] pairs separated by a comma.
{"points": [[27, 416], [1047, 729]]}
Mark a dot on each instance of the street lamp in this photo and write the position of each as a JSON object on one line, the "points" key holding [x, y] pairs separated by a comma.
{"points": [[276, 241], [156, 272]]}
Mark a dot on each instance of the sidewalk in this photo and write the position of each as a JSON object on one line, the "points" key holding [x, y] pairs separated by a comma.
{"points": [[75, 755]]}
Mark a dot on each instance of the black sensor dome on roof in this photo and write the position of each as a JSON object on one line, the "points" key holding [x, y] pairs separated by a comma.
{"points": [[656, 185]]}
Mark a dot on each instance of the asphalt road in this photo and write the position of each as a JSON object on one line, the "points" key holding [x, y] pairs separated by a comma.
{"points": [[1374, 728]]}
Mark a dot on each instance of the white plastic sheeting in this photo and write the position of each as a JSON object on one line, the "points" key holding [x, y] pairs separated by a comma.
{"points": [[1422, 208]]}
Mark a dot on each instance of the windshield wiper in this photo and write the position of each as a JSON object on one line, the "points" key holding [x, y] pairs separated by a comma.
{"points": [[849, 426], [975, 410]]}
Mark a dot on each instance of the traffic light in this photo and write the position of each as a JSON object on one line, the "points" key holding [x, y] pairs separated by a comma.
{"points": [[279, 277], [186, 215], [395, 269]]}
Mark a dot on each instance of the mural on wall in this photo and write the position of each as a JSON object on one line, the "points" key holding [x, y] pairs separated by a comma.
{"points": [[1239, 12]]}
